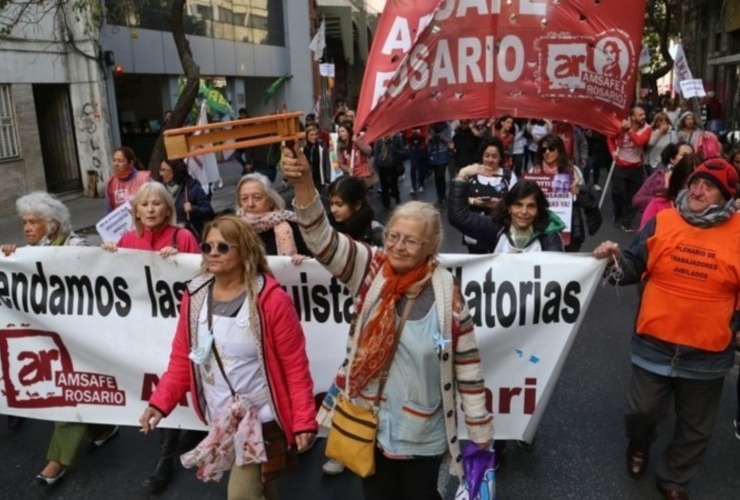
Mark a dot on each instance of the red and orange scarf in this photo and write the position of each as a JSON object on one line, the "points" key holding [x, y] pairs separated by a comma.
{"points": [[378, 337]]}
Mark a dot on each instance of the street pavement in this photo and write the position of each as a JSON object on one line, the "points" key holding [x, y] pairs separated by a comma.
{"points": [[580, 445]]}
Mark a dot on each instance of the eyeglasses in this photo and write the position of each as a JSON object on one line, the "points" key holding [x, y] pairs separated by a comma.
{"points": [[392, 238], [221, 247], [550, 148]]}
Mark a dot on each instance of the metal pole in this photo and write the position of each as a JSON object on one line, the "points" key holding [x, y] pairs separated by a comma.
{"points": [[606, 184]]}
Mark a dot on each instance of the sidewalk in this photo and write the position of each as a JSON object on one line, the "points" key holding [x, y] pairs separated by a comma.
{"points": [[86, 212]]}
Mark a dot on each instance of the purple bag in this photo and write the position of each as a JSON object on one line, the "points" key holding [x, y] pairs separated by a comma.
{"points": [[480, 478]]}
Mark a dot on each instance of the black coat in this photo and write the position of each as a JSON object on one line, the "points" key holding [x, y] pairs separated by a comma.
{"points": [[586, 215], [201, 212]]}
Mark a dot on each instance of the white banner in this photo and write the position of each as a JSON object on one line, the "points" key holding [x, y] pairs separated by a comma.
{"points": [[681, 70], [115, 224], [85, 338], [692, 88], [327, 70]]}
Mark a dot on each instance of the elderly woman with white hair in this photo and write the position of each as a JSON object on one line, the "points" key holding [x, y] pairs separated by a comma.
{"points": [[411, 324], [260, 205], [46, 222]]}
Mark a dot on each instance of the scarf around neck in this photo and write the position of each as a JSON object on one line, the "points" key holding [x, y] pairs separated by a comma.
{"points": [[279, 223], [712, 216], [378, 337]]}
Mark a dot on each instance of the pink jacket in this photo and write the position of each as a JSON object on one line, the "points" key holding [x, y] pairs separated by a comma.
{"points": [[657, 204], [284, 356], [156, 241]]}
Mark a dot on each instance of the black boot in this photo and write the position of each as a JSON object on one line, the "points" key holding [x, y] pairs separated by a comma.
{"points": [[161, 475]]}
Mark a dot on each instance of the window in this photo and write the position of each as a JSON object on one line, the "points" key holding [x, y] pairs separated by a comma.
{"points": [[9, 147]]}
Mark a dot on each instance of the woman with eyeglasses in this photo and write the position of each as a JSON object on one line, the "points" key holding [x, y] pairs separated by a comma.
{"points": [[240, 350], [552, 161], [156, 230], [436, 347], [487, 184]]}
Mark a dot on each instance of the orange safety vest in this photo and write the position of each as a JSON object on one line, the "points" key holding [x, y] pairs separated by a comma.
{"points": [[693, 281]]}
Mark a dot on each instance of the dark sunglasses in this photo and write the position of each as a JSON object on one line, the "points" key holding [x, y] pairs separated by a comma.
{"points": [[550, 148], [222, 248]]}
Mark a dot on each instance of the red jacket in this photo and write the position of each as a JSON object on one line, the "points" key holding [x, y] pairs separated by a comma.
{"points": [[283, 350], [156, 241]]}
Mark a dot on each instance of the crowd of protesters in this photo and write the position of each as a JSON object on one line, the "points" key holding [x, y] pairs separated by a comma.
{"points": [[498, 176]]}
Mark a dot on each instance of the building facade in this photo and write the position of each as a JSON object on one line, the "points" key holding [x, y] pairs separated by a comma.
{"points": [[77, 84], [710, 32], [54, 128]]}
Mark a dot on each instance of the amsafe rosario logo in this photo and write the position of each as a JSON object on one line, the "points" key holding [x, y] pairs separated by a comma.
{"points": [[38, 372]]}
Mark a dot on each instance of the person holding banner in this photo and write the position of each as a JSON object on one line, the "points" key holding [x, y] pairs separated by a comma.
{"points": [[551, 161], [240, 350], [128, 176], [683, 345], [521, 222], [436, 346], [192, 205], [155, 230], [46, 222]]}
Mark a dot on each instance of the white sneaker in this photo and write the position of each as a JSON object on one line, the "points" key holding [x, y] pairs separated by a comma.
{"points": [[332, 468], [412, 192], [597, 188], [421, 189]]}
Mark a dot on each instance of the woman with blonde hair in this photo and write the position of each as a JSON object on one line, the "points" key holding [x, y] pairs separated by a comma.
{"points": [[155, 224], [262, 207], [411, 323], [156, 230], [239, 348]]}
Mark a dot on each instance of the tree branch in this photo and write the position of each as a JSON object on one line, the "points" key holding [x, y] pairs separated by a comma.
{"points": [[190, 90]]}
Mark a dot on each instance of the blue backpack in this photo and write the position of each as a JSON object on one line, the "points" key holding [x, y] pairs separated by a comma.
{"points": [[439, 153]]}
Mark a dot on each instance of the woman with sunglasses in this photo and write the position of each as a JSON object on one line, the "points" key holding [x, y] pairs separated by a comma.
{"points": [[436, 347], [240, 350], [156, 230], [552, 161]]}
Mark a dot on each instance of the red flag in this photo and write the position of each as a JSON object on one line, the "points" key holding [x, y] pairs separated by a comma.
{"points": [[434, 60]]}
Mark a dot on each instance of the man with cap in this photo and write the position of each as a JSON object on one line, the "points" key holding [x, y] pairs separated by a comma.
{"points": [[683, 345]]}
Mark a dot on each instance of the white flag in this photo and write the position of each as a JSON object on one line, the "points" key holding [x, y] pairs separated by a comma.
{"points": [[644, 57], [318, 44], [316, 108], [204, 168], [681, 69]]}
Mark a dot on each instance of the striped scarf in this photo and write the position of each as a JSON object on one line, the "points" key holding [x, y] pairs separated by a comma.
{"points": [[712, 216]]}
